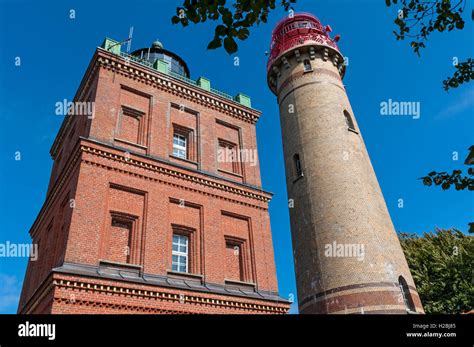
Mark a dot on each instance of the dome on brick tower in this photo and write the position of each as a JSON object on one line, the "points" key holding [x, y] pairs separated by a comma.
{"points": [[157, 44], [156, 51], [299, 30]]}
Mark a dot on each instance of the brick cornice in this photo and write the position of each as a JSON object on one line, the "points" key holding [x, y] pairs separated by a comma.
{"points": [[174, 86], [83, 147], [160, 295], [169, 170], [45, 287], [135, 71], [60, 181], [84, 86]]}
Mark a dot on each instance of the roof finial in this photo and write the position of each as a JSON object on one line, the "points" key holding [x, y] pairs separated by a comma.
{"points": [[157, 44]]}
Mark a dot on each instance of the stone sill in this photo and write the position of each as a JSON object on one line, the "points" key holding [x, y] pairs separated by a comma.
{"points": [[240, 283], [353, 130], [184, 160], [130, 143], [112, 266], [298, 178], [230, 173], [192, 276]]}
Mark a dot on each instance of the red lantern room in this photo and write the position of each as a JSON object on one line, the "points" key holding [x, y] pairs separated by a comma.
{"points": [[298, 31]]}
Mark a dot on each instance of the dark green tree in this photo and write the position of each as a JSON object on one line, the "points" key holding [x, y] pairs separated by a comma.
{"points": [[418, 19], [442, 267], [234, 19]]}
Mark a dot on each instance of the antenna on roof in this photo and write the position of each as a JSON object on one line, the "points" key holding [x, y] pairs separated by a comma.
{"points": [[128, 40], [129, 44]]}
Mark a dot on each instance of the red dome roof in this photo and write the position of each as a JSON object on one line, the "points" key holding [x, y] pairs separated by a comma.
{"points": [[298, 30]]}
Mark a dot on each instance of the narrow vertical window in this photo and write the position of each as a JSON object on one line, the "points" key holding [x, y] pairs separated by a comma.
{"points": [[233, 264], [298, 168], [119, 242], [407, 300], [180, 253], [307, 65], [180, 146], [349, 121], [227, 157]]}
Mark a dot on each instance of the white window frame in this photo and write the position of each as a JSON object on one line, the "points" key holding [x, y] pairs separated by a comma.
{"points": [[180, 150], [183, 240]]}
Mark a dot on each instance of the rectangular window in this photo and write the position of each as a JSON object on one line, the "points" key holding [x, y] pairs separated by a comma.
{"points": [[131, 126], [233, 264], [180, 146], [119, 239], [298, 168], [227, 157], [349, 121], [180, 253], [404, 297]]}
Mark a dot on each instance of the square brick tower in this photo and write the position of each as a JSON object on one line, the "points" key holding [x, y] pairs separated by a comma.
{"points": [[155, 202]]}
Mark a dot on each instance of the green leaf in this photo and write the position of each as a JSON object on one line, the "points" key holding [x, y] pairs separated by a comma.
{"points": [[221, 30], [427, 181], [230, 45], [175, 20], [459, 25], [227, 18], [217, 42], [243, 33]]}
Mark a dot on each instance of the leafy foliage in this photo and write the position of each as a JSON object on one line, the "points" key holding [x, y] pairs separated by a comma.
{"points": [[417, 19], [446, 180], [464, 73], [442, 267], [235, 19]]}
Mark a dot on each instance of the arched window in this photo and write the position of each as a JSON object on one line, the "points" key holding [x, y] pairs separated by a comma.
{"points": [[307, 65], [349, 121], [407, 299], [298, 168]]}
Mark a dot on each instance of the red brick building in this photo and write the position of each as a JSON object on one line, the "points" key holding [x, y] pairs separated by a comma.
{"points": [[155, 202]]}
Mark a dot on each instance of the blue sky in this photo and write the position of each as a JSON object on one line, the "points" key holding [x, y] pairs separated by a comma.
{"points": [[55, 51]]}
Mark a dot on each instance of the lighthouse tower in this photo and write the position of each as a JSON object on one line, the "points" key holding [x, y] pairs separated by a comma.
{"points": [[347, 255]]}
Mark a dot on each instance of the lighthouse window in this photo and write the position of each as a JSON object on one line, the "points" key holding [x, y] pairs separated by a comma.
{"points": [[405, 291], [298, 168], [349, 121], [307, 65]]}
